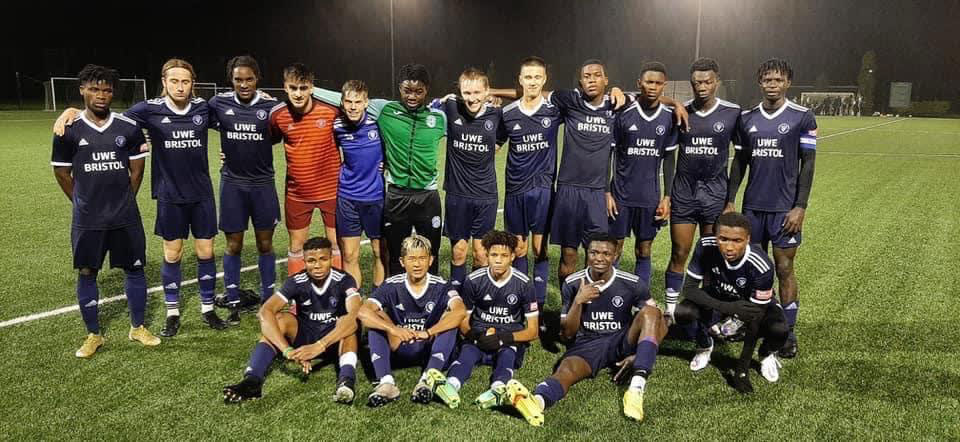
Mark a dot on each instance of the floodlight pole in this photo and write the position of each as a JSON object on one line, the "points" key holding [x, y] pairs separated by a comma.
{"points": [[696, 52], [393, 61]]}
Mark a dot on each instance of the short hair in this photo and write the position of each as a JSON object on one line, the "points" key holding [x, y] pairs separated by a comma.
{"points": [[734, 219], [705, 64], [93, 73], [603, 237], [316, 243], [654, 66], [472, 73], [414, 72], [415, 242], [499, 238], [297, 72], [533, 60], [775, 65], [590, 61], [242, 61], [357, 86]]}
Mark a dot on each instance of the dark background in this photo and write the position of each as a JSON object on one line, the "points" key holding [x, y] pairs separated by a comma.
{"points": [[343, 39]]}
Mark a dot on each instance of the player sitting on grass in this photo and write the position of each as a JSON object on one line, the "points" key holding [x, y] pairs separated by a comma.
{"points": [[609, 316], [729, 275], [412, 319], [324, 325], [498, 298]]}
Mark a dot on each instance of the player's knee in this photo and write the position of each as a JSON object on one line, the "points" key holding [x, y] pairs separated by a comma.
{"points": [[642, 250], [234, 246], [686, 313], [87, 272], [779, 329], [350, 255], [458, 253], [204, 248], [265, 245], [522, 248], [679, 253], [784, 268]]}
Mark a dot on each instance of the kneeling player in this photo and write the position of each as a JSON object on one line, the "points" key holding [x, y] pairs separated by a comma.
{"points": [[598, 314], [498, 298], [412, 319], [730, 276], [327, 304]]}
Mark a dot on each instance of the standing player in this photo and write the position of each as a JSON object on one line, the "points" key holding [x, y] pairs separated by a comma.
{"points": [[99, 166], [411, 132], [360, 190], [779, 147], [474, 131], [247, 191], [531, 123], [732, 277], [598, 315], [412, 319], [645, 137], [700, 185], [313, 162], [499, 299], [323, 327], [177, 124]]}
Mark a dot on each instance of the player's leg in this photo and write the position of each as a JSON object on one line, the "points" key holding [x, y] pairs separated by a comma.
{"points": [[295, 248], [514, 222], [681, 241], [377, 247], [128, 249], [572, 369], [261, 358], [328, 212], [349, 230], [371, 219], [265, 216], [691, 315], [462, 368], [347, 374], [774, 331], [432, 378], [479, 253], [234, 220], [266, 263], [645, 228], [456, 226], [171, 278], [458, 259], [643, 267], [89, 249], [523, 249], [566, 229], [484, 219], [396, 227], [382, 348], [645, 333], [203, 223], [784, 261], [429, 224], [350, 246], [541, 268]]}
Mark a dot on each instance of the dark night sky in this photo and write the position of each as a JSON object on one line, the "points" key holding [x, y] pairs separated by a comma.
{"points": [[351, 39]]}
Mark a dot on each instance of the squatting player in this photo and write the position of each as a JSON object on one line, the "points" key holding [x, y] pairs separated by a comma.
{"points": [[177, 124], [324, 325], [731, 276], [700, 185], [313, 162], [645, 137], [779, 147], [610, 316], [99, 166], [412, 320]]}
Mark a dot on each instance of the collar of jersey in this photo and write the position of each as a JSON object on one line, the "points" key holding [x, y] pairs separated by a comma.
{"points": [[500, 285], [743, 261], [775, 113], [606, 283], [256, 98], [169, 103], [716, 104], [583, 97], [535, 108], [101, 129], [655, 113], [406, 283], [321, 290]]}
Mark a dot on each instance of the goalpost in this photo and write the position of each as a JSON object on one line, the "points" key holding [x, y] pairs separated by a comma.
{"points": [[834, 101], [63, 92]]}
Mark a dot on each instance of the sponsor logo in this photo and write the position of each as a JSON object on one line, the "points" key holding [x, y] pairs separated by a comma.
{"points": [[633, 128], [487, 297], [83, 142], [458, 122], [137, 263], [321, 123], [438, 356], [752, 129], [307, 302], [171, 286], [165, 120], [400, 307], [228, 112], [793, 240], [516, 127]]}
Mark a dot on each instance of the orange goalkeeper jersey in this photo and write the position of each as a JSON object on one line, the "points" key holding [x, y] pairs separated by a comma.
{"points": [[313, 160]]}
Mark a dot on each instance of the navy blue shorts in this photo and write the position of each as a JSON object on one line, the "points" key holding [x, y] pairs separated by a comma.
{"points": [[578, 212], [768, 227], [465, 218], [127, 247], [240, 204], [308, 335], [601, 351], [640, 220], [176, 221], [490, 357], [697, 202], [357, 217], [528, 211]]}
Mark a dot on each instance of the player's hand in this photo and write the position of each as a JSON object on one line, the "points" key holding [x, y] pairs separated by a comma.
{"points": [[587, 292], [495, 341], [308, 352], [65, 119], [473, 335], [683, 118], [448, 97], [403, 334], [223, 157], [494, 100], [622, 377], [729, 208], [745, 310], [619, 98], [612, 210], [794, 222], [264, 93], [663, 209], [422, 335], [306, 366]]}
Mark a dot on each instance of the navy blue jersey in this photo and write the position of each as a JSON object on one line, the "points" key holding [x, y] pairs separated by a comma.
{"points": [[705, 149], [750, 278], [245, 137], [532, 158], [773, 142], [613, 310], [407, 309], [99, 157], [470, 169], [179, 172], [500, 305], [362, 150], [319, 306], [642, 142], [587, 139]]}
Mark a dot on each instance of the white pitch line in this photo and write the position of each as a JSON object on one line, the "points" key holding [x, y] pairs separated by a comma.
{"points": [[859, 129]]}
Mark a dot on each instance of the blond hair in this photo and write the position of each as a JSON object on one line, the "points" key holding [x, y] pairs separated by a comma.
{"points": [[414, 242], [176, 63]]}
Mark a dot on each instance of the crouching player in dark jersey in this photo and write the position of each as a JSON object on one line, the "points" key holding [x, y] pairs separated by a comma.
{"points": [[99, 166], [412, 320], [323, 327], [499, 301], [610, 316], [779, 148], [730, 276]]}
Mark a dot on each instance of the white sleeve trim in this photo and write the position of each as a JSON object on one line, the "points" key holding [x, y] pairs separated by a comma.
{"points": [[532, 314], [757, 301], [672, 148], [140, 155], [281, 296], [737, 147], [694, 275], [377, 302], [59, 164]]}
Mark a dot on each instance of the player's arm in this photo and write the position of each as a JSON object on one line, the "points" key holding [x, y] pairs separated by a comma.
{"points": [[138, 151], [65, 180], [62, 161], [808, 156], [679, 111], [136, 173], [371, 315], [452, 318], [65, 119], [738, 168], [532, 331], [270, 327], [346, 326], [669, 165], [585, 293]]}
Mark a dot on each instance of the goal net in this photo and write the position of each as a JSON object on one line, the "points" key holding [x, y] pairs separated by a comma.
{"points": [[63, 92], [831, 103]]}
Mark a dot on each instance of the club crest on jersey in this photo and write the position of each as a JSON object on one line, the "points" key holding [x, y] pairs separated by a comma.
{"points": [[741, 282], [435, 222], [488, 125], [120, 140], [661, 129], [373, 135], [198, 120], [431, 121], [321, 123], [262, 114], [783, 128], [429, 307], [617, 301], [333, 301], [718, 127], [512, 299], [545, 122]]}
